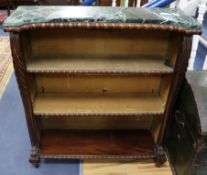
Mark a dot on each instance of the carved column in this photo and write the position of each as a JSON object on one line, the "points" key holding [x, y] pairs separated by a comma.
{"points": [[21, 76]]}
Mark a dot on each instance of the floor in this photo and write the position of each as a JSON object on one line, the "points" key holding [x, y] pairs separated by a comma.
{"points": [[2, 33], [6, 66], [125, 168], [15, 144]]}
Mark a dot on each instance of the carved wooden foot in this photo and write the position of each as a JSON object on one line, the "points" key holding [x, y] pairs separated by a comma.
{"points": [[160, 155], [34, 157]]}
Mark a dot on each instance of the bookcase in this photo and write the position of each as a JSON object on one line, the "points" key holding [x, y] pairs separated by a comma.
{"points": [[96, 85]]}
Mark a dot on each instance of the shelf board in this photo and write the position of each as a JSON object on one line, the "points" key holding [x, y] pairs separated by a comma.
{"points": [[88, 144], [144, 64], [98, 105]]}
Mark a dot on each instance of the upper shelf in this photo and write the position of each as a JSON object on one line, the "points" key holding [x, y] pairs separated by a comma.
{"points": [[146, 65], [30, 17]]}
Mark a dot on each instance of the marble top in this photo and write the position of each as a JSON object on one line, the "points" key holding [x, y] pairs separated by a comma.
{"points": [[26, 15]]}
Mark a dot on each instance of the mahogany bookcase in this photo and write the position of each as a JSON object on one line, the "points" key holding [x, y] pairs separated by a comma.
{"points": [[99, 82]]}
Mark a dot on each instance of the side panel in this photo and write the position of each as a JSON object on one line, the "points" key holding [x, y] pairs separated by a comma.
{"points": [[22, 80], [178, 77]]}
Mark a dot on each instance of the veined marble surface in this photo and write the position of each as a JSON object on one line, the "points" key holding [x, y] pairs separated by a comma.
{"points": [[25, 15]]}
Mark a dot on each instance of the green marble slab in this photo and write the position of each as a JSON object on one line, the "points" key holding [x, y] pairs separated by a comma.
{"points": [[25, 15]]}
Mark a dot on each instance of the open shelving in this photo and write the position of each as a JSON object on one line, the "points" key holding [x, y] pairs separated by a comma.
{"points": [[99, 95], [99, 82]]}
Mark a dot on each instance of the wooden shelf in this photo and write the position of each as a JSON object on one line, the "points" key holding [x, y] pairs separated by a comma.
{"points": [[144, 64], [87, 144], [102, 105]]}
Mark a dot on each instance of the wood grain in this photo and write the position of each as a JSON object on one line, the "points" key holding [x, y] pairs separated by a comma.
{"points": [[98, 42], [97, 144], [98, 84], [95, 122], [91, 167]]}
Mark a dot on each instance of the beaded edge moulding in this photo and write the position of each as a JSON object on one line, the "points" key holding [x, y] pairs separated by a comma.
{"points": [[31, 17]]}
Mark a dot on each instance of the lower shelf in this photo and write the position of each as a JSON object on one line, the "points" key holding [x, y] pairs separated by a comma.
{"points": [[97, 144]]}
